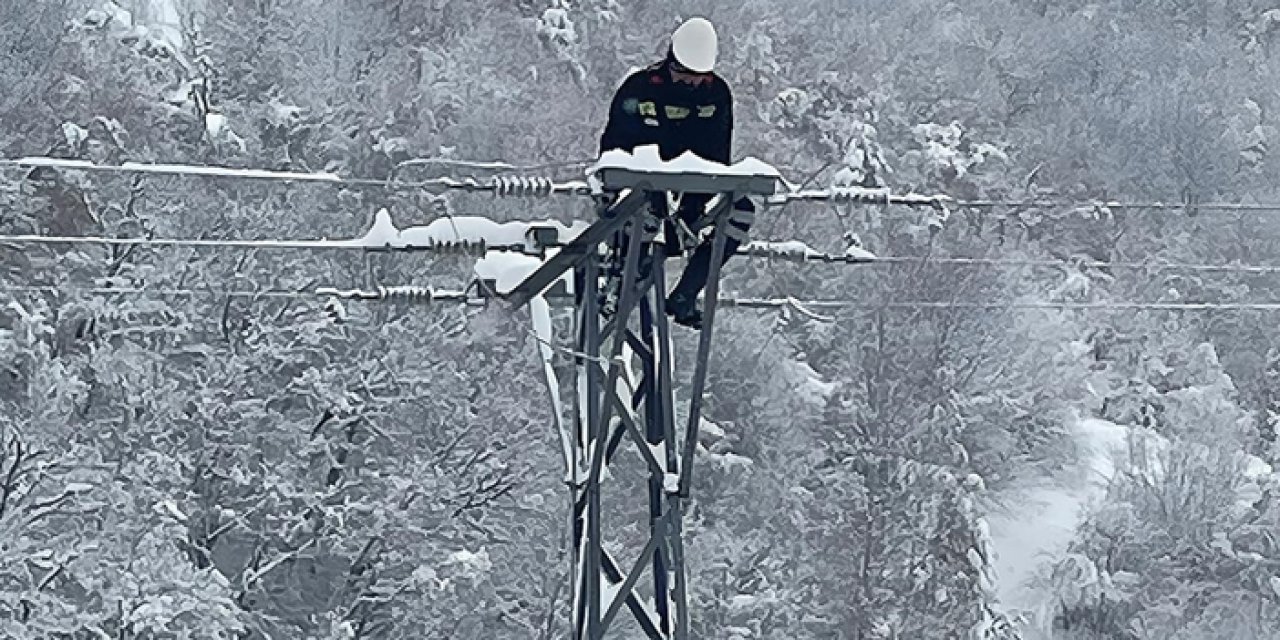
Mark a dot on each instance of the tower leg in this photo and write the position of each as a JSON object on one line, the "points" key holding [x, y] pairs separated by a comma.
{"points": [[659, 433], [609, 418], [587, 533], [704, 347]]}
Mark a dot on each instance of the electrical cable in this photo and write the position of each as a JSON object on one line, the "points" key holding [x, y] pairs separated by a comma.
{"points": [[421, 294], [459, 247], [514, 186], [524, 186], [777, 303], [798, 252], [777, 250], [1156, 205]]}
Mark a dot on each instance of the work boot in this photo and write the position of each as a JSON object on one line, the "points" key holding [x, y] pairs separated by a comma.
{"points": [[684, 310]]}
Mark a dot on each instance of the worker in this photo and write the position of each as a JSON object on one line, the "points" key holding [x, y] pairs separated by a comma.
{"points": [[681, 105]]}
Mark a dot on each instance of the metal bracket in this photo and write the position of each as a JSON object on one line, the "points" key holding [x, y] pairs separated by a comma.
{"points": [[481, 291], [541, 237]]}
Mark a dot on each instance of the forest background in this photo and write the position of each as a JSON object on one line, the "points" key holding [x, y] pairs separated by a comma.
{"points": [[210, 466]]}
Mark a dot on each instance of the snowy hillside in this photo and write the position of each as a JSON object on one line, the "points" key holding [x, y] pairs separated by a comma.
{"points": [[1038, 524], [233, 408]]}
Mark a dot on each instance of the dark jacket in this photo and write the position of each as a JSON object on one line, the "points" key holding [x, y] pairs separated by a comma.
{"points": [[650, 108]]}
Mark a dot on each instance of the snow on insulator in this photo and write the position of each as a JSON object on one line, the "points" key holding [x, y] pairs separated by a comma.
{"points": [[860, 194], [514, 186], [791, 251], [795, 251]]}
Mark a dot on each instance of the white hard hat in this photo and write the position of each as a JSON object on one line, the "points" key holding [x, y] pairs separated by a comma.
{"points": [[695, 45]]}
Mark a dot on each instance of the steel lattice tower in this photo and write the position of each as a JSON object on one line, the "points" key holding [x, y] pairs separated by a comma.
{"points": [[625, 372]]}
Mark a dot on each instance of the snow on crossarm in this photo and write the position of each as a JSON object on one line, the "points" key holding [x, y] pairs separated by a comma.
{"points": [[646, 159]]}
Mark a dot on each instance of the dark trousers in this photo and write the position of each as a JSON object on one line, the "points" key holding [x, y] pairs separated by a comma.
{"points": [[696, 273]]}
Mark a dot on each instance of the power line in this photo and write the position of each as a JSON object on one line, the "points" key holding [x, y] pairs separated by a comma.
{"points": [[425, 294], [782, 250], [156, 291], [524, 186], [206, 171], [860, 195], [494, 165], [775, 251], [459, 246], [183, 242], [884, 197], [1078, 264], [510, 186], [778, 303], [401, 293], [794, 251], [1101, 205], [501, 165]]}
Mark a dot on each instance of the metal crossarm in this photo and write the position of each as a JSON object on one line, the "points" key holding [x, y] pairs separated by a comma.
{"points": [[756, 185]]}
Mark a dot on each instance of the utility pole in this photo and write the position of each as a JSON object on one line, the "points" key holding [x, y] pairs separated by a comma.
{"points": [[626, 401]]}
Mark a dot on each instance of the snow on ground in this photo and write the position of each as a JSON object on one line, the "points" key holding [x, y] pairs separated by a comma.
{"points": [[1035, 531], [1041, 522]]}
